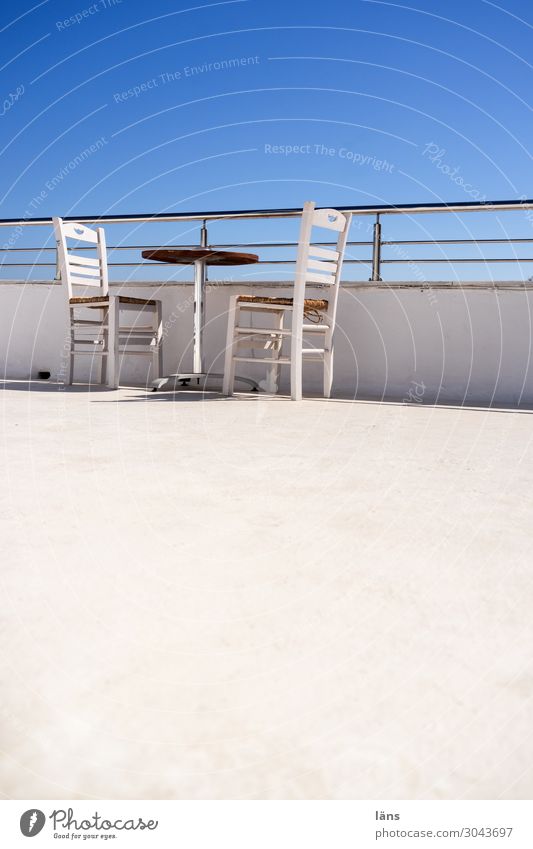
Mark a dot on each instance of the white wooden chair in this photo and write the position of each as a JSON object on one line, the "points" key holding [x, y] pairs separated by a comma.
{"points": [[314, 264], [99, 331]]}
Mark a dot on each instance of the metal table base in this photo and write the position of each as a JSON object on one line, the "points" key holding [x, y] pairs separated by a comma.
{"points": [[186, 377], [198, 373]]}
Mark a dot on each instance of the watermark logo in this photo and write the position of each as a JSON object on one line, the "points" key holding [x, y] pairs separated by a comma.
{"points": [[184, 73], [11, 99], [52, 184], [416, 394], [65, 824], [436, 156], [83, 14], [352, 156], [32, 822]]}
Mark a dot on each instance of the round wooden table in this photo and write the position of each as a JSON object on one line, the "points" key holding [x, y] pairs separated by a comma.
{"points": [[189, 256], [199, 257]]}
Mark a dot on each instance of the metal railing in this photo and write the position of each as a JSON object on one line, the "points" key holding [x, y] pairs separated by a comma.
{"points": [[375, 261]]}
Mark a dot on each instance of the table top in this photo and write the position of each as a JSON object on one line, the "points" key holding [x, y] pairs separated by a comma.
{"points": [[186, 256]]}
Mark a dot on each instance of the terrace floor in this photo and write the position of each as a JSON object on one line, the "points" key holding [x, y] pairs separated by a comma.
{"points": [[248, 597]]}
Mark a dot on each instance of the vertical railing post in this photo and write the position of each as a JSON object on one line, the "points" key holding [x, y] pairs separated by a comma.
{"points": [[203, 235], [376, 252], [199, 294]]}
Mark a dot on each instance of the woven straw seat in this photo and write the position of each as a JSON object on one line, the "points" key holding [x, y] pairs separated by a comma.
{"points": [[104, 299], [309, 303]]}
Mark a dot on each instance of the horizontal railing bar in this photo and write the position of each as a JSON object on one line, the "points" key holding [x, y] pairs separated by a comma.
{"points": [[259, 262], [30, 250], [484, 260], [455, 241], [186, 247], [166, 264], [414, 261], [388, 242], [411, 259], [382, 209], [224, 245], [450, 285], [109, 248]]}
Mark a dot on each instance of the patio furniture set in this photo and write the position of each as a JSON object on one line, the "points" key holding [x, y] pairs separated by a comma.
{"points": [[95, 319]]}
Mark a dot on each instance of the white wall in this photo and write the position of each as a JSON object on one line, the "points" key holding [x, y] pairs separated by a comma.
{"points": [[451, 344]]}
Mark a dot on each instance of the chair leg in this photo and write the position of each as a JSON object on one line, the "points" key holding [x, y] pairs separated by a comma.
{"points": [[272, 380], [157, 357], [113, 365], [328, 373], [296, 378], [296, 357], [70, 367], [105, 339], [274, 370], [229, 362]]}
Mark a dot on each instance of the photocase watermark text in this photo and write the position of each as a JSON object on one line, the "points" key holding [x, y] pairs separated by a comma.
{"points": [[183, 73], [83, 14], [416, 392], [352, 156], [11, 99], [51, 184], [73, 163], [436, 156]]}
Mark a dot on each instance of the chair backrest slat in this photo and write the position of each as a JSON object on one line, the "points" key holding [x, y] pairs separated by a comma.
{"points": [[86, 276], [326, 279], [320, 265], [83, 271], [323, 253], [89, 261], [77, 269]]}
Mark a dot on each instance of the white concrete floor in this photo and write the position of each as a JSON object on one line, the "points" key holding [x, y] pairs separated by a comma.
{"points": [[251, 598]]}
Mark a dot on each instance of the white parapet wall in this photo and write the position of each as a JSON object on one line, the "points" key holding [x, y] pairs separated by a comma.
{"points": [[441, 342]]}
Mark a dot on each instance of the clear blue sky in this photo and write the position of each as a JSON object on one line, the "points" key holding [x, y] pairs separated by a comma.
{"points": [[194, 106]]}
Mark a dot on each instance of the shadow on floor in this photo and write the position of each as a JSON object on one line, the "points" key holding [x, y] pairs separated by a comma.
{"points": [[102, 392], [192, 393], [50, 386]]}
